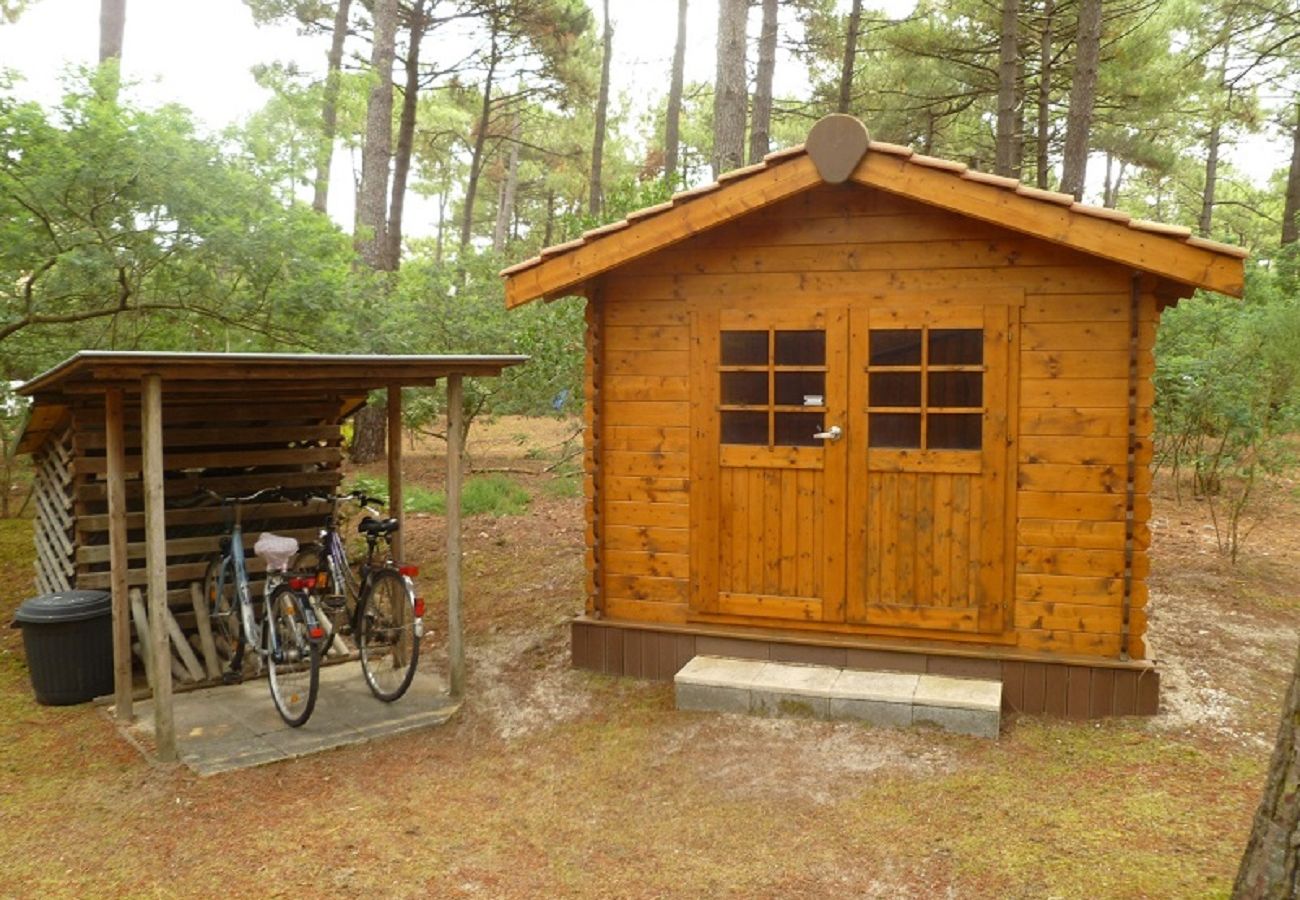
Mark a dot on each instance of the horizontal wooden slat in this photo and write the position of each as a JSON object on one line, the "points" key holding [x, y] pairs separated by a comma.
{"points": [[222, 484], [656, 312], [657, 565], [188, 546], [1079, 422], [1087, 507], [800, 608], [1093, 590], [1085, 451], [624, 462], [208, 515], [1089, 392], [647, 438], [218, 459], [1110, 479], [646, 488], [646, 413], [1084, 535], [647, 538], [664, 515], [1072, 561], [1083, 618], [222, 437], [645, 387], [1084, 335], [644, 587], [646, 337], [1096, 363]]}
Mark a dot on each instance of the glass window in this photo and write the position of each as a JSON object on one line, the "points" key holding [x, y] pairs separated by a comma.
{"points": [[744, 348], [767, 373], [921, 376]]}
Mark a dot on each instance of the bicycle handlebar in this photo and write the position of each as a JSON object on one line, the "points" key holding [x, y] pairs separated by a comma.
{"points": [[355, 496], [270, 493]]}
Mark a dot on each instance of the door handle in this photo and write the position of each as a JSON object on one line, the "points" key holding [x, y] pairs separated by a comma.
{"points": [[833, 434]]}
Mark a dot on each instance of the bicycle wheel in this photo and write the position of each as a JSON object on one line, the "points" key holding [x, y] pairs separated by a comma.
{"points": [[293, 659], [223, 605], [388, 635]]}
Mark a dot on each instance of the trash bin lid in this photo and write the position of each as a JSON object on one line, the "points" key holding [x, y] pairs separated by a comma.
{"points": [[64, 606]]}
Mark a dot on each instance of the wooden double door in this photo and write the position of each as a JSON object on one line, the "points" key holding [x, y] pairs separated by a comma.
{"points": [[850, 465]]}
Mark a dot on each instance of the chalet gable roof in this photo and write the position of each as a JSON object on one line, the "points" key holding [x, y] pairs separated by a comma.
{"points": [[1169, 251]]}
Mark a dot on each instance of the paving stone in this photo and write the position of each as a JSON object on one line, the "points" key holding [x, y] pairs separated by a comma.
{"points": [[712, 697], [873, 712], [890, 699], [958, 693], [977, 722], [720, 671], [886, 687]]}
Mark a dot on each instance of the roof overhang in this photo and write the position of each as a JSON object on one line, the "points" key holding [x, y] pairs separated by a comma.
{"points": [[234, 377], [838, 149]]}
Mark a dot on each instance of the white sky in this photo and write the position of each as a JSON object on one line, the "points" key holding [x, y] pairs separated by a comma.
{"points": [[200, 53]]}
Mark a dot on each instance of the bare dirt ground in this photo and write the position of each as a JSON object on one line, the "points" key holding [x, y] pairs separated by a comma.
{"points": [[554, 782]]}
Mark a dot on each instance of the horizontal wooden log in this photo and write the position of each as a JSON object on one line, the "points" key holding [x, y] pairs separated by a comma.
{"points": [[1084, 422], [1084, 535], [647, 538], [657, 565], [188, 546], [229, 436], [240, 484], [1071, 561], [220, 459], [1073, 506], [1082, 618], [93, 524], [1112, 479]]}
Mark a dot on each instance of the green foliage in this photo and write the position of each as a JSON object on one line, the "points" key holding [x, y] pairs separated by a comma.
{"points": [[123, 228], [1228, 396]]}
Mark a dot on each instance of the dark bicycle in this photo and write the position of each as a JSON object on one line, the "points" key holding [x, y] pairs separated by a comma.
{"points": [[375, 604], [286, 634]]}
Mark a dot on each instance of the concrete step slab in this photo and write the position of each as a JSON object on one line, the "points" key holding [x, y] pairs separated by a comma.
{"points": [[891, 699]]}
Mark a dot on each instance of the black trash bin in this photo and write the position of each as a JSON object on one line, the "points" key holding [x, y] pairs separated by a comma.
{"points": [[68, 637]]}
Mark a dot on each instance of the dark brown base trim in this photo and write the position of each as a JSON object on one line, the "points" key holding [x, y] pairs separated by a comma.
{"points": [[1074, 689]]}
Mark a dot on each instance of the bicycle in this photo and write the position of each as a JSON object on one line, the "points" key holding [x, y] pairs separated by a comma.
{"points": [[377, 606], [287, 635]]}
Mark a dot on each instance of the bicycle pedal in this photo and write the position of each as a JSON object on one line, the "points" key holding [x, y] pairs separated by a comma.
{"points": [[229, 677]]}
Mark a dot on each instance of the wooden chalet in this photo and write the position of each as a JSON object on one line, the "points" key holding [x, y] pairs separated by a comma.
{"points": [[867, 408], [121, 440]]}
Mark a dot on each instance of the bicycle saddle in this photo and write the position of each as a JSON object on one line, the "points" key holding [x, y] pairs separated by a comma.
{"points": [[371, 525]]}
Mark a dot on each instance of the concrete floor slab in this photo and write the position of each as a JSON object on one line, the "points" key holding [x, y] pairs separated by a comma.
{"points": [[231, 727]]}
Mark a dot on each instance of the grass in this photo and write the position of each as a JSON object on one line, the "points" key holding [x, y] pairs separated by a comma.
{"points": [[493, 495]]}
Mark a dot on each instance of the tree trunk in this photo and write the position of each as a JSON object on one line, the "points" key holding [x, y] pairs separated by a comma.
{"points": [[596, 199], [1291, 209], [1043, 131], [729, 93], [1083, 94], [112, 27], [850, 58], [672, 122], [1269, 865], [369, 432], [405, 140], [1008, 69], [1206, 221], [480, 140], [506, 206], [549, 231], [761, 121], [376, 156], [330, 108]]}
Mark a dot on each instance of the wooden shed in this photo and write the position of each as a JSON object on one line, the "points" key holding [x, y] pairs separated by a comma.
{"points": [[867, 408], [122, 440]]}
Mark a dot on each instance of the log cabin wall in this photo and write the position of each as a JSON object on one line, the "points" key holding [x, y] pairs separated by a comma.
{"points": [[1059, 574], [235, 447]]}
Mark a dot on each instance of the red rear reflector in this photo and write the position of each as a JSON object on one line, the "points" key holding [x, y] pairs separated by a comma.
{"points": [[316, 633], [409, 571], [299, 584], [419, 607]]}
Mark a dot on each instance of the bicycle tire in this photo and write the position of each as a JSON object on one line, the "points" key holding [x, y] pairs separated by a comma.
{"points": [[293, 666], [387, 634], [223, 604]]}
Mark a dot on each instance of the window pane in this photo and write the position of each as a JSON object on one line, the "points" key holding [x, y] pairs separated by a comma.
{"points": [[896, 347], [744, 387], [744, 348], [956, 346], [801, 348], [953, 431], [744, 427], [800, 388], [894, 430], [894, 389], [797, 429], [955, 388]]}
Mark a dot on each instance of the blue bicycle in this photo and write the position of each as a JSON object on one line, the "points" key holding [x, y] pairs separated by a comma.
{"points": [[284, 632]]}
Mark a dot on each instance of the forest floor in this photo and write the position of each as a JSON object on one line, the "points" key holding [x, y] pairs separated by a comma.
{"points": [[557, 782]]}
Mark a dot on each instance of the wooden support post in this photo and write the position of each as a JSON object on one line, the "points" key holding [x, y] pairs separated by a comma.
{"points": [[395, 505], [455, 440], [115, 452], [155, 536]]}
